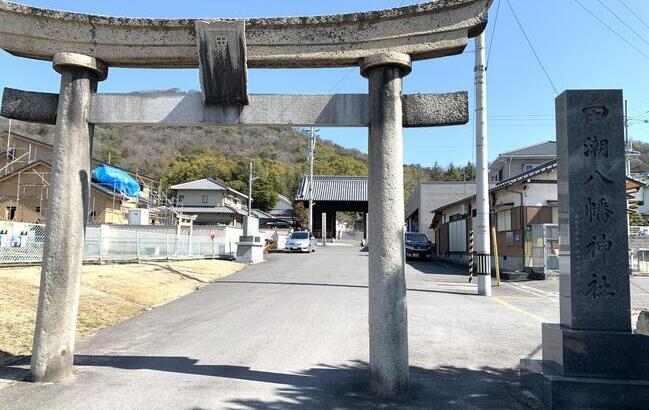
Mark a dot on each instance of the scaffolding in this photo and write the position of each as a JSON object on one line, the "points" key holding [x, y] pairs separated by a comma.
{"points": [[21, 152]]}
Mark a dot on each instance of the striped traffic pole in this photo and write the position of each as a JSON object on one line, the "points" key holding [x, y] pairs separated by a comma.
{"points": [[470, 255]]}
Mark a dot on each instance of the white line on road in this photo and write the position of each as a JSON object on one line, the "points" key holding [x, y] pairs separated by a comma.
{"points": [[532, 290]]}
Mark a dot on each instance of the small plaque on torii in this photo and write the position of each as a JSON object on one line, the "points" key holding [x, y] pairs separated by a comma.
{"points": [[222, 62]]}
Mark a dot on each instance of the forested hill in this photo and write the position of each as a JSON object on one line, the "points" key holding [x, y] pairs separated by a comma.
{"points": [[640, 164], [280, 154]]}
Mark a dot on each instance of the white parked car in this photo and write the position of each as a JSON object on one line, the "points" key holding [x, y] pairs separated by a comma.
{"points": [[301, 241]]}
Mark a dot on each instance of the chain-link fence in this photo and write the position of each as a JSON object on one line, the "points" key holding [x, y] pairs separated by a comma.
{"points": [[23, 243]]}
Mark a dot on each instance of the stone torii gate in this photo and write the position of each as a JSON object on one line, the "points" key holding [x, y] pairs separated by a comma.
{"points": [[382, 43]]}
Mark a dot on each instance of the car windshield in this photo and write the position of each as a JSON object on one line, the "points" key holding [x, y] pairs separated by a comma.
{"points": [[416, 237], [300, 235]]}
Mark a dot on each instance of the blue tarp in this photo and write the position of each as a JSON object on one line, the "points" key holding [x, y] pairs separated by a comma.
{"points": [[117, 180]]}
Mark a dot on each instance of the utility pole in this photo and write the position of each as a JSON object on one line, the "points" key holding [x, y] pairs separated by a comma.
{"points": [[311, 159], [8, 145], [481, 228], [250, 179], [628, 145]]}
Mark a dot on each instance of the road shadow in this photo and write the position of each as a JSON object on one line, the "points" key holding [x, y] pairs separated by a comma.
{"points": [[446, 387], [346, 386], [7, 358], [335, 285], [437, 268]]}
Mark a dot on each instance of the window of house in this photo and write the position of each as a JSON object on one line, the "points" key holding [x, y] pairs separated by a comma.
{"points": [[181, 198], [37, 209], [504, 220], [11, 213], [529, 167], [204, 199], [500, 175]]}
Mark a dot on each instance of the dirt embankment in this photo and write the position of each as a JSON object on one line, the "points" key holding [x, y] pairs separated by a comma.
{"points": [[109, 295]]}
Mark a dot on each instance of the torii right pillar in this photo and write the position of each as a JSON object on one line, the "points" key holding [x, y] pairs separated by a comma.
{"points": [[592, 359], [388, 319]]}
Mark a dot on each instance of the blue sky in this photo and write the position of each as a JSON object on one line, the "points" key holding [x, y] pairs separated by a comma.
{"points": [[577, 51]]}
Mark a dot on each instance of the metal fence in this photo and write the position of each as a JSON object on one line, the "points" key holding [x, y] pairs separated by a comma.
{"points": [[22, 243], [545, 248]]}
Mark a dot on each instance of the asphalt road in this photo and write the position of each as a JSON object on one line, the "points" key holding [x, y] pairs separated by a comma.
{"points": [[291, 333]]}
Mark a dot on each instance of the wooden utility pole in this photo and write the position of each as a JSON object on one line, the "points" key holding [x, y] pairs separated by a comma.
{"points": [[494, 252]]}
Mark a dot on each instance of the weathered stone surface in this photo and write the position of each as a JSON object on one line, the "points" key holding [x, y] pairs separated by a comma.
{"points": [[53, 351], [424, 110], [594, 265], [62, 60], [339, 110], [560, 392], [591, 360], [388, 318], [643, 323], [427, 30], [615, 355], [29, 106], [222, 62]]}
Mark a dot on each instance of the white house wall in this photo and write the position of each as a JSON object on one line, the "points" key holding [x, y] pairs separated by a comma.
{"points": [[195, 198]]}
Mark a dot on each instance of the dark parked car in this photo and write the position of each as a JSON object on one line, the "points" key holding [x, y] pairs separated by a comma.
{"points": [[418, 246]]}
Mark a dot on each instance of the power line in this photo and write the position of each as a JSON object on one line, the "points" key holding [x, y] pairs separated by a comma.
{"points": [[621, 20], [611, 29], [532, 48], [493, 34], [350, 70], [634, 13], [341, 80]]}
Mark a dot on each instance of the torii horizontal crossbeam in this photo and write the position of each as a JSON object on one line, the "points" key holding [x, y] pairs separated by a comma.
{"points": [[428, 30], [187, 109]]}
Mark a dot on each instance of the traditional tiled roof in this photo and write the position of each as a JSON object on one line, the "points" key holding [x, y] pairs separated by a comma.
{"points": [[258, 213], [207, 210], [545, 167], [206, 184], [541, 169], [334, 188], [544, 149], [226, 210]]}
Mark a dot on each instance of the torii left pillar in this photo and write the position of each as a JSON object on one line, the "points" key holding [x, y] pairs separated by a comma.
{"points": [[58, 302]]}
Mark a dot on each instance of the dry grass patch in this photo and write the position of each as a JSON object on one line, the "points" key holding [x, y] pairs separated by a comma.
{"points": [[109, 295]]}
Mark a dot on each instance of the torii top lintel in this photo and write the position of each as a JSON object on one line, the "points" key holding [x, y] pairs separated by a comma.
{"points": [[428, 30]]}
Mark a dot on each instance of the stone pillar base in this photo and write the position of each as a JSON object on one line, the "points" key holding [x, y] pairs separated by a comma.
{"points": [[564, 392], [595, 353], [250, 249]]}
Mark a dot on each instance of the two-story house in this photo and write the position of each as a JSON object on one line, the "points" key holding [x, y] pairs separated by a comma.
{"points": [[212, 202], [513, 163]]}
